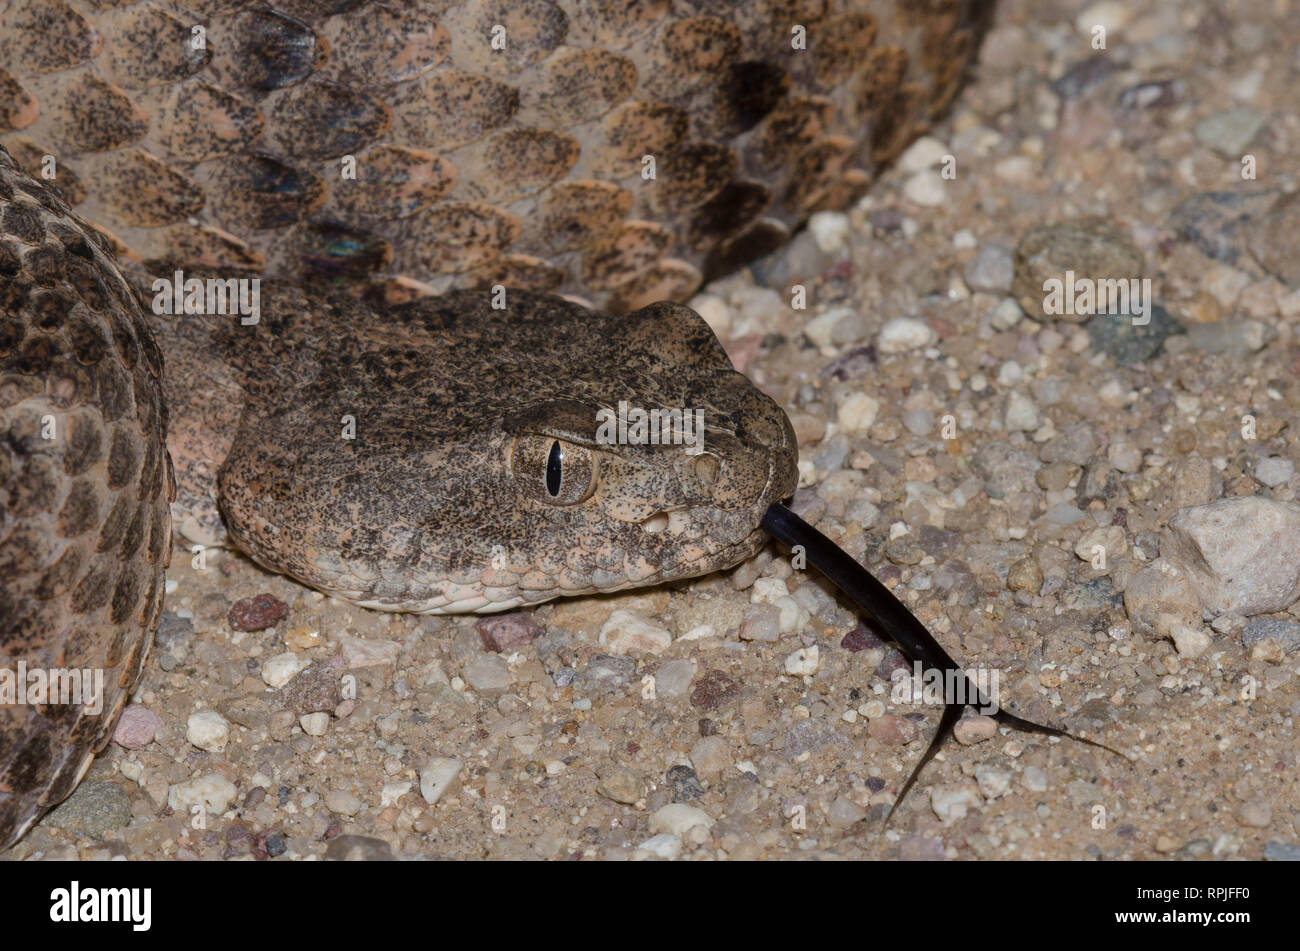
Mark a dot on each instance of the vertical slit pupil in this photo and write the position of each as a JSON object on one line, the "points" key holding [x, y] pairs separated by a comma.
{"points": [[554, 469]]}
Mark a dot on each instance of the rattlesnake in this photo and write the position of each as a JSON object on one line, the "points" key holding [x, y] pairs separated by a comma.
{"points": [[616, 153]]}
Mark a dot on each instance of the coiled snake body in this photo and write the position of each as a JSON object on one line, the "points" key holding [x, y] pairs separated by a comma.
{"points": [[377, 153]]}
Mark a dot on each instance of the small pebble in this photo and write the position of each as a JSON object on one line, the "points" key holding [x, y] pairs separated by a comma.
{"points": [[678, 819], [213, 791], [488, 674], [621, 784], [136, 727], [662, 846], [1229, 131], [1273, 471], [926, 188], [507, 632], [857, 412], [437, 777], [628, 633], [830, 229], [1242, 554], [280, 669], [904, 333], [256, 613], [803, 662], [208, 730], [991, 270], [342, 803], [314, 724]]}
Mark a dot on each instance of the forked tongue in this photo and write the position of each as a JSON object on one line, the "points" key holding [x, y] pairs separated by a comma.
{"points": [[892, 618]]}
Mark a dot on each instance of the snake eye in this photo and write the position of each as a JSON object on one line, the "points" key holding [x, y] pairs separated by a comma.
{"points": [[552, 470], [555, 470]]}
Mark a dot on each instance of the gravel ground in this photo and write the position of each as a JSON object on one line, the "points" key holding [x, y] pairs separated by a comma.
{"points": [[1103, 513]]}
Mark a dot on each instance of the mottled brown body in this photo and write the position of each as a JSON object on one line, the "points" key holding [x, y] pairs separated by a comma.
{"points": [[474, 166], [85, 481]]}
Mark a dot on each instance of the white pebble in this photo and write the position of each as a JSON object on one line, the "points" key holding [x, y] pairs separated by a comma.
{"points": [[1190, 641], [819, 328], [1274, 471], [314, 724], [342, 803], [926, 188], [662, 846], [1007, 314], [281, 669], [803, 662], [715, 312], [208, 730], [1021, 412], [872, 709], [830, 229], [1111, 540], [950, 801], [904, 333], [992, 781], [857, 412], [214, 792], [925, 152], [1010, 373], [1124, 456], [678, 818], [1108, 14], [392, 793], [438, 776], [767, 590], [629, 633], [1034, 778]]}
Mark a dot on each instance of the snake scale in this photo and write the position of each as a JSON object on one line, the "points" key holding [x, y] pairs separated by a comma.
{"points": [[366, 156]]}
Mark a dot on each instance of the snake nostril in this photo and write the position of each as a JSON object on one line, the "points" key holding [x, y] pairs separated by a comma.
{"points": [[656, 523]]}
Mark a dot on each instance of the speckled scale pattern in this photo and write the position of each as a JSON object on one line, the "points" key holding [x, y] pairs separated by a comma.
{"points": [[475, 165], [85, 483]]}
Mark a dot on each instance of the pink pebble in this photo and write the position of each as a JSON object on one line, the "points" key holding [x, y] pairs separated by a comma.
{"points": [[136, 728]]}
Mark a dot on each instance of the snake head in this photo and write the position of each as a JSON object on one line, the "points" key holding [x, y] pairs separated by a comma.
{"points": [[504, 457]]}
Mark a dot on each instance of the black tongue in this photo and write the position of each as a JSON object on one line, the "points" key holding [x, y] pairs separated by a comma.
{"points": [[893, 618]]}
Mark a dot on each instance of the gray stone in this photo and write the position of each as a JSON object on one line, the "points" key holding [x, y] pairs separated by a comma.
{"points": [[1272, 239], [1127, 343], [359, 848], [1160, 597], [1285, 633], [1229, 131], [1005, 469], [991, 270], [605, 672], [95, 809], [1273, 471], [1242, 554], [673, 678], [488, 674], [620, 784], [1232, 336], [1282, 852]]}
